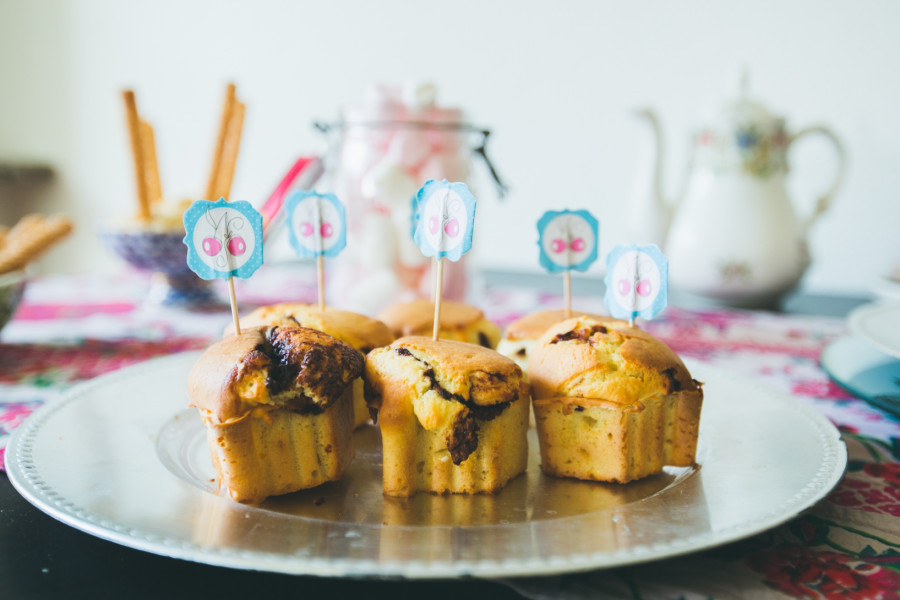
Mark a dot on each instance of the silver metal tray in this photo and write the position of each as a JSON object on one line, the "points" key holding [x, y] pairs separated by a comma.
{"points": [[121, 458]]}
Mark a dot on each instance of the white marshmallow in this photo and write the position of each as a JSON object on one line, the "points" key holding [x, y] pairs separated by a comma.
{"points": [[376, 244], [408, 253], [368, 292], [387, 184], [358, 155]]}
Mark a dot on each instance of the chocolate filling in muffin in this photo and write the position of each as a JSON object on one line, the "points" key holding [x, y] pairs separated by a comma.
{"points": [[306, 370], [462, 439]]}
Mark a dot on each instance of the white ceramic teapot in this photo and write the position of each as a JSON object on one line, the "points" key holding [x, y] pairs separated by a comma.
{"points": [[734, 237]]}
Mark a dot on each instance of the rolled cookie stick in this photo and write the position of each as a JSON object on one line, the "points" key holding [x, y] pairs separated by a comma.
{"points": [[31, 241]]}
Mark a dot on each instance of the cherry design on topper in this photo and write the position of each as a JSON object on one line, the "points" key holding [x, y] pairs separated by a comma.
{"points": [[443, 219], [636, 281], [224, 236], [223, 239], [567, 240], [317, 223]]}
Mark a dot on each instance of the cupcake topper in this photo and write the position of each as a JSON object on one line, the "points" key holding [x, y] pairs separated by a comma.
{"points": [[444, 222], [224, 240], [318, 228], [636, 281], [568, 242]]}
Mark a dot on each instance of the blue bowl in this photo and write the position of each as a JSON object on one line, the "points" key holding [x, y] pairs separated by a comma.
{"points": [[162, 253]]}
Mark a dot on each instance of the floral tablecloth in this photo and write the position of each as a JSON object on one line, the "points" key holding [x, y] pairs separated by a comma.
{"points": [[69, 329]]}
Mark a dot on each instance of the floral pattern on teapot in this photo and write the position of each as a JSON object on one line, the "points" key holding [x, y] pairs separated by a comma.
{"points": [[756, 149]]}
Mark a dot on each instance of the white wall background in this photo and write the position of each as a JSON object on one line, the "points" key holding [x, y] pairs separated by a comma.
{"points": [[554, 81]]}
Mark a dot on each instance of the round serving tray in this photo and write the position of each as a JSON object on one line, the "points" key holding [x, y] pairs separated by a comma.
{"points": [[120, 457]]}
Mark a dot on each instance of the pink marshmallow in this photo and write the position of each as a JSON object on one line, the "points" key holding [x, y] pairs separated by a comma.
{"points": [[449, 138], [452, 166], [409, 148], [381, 99]]}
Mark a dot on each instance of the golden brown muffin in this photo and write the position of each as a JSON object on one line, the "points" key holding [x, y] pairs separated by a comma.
{"points": [[459, 321], [612, 402], [359, 331], [278, 409], [454, 416], [521, 335]]}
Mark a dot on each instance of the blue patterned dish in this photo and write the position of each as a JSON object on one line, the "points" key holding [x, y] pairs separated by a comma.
{"points": [[163, 253]]}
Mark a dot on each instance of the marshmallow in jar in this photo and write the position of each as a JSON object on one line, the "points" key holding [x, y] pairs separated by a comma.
{"points": [[393, 142]]}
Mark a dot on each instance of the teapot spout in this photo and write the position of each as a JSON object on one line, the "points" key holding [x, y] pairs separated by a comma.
{"points": [[649, 214]]}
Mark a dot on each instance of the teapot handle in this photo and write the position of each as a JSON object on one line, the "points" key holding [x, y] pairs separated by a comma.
{"points": [[824, 200]]}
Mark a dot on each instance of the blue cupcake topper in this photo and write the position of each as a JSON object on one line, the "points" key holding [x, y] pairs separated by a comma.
{"points": [[224, 239], [444, 219], [317, 224], [567, 240], [637, 281]]}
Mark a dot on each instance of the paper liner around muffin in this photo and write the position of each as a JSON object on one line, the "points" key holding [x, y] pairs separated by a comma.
{"points": [[612, 403], [453, 416]]}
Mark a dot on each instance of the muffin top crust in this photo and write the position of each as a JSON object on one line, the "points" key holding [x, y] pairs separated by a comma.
{"points": [[292, 368], [605, 360]]}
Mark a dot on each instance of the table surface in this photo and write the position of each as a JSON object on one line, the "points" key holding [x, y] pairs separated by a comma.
{"points": [[69, 329]]}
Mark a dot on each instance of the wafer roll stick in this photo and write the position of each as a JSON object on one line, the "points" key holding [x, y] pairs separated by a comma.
{"points": [[32, 240], [137, 150], [24, 224], [151, 168], [228, 109], [230, 151]]}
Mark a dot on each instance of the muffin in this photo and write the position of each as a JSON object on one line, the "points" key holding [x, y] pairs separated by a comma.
{"points": [[612, 403], [278, 409], [521, 335], [459, 321], [454, 416], [359, 331]]}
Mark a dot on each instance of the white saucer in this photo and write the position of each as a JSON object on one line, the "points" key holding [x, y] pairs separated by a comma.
{"points": [[864, 372], [879, 325], [887, 288]]}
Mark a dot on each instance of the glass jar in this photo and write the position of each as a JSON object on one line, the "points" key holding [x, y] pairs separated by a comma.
{"points": [[376, 167]]}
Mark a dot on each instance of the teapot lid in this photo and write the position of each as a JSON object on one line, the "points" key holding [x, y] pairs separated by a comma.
{"points": [[741, 109], [744, 135]]}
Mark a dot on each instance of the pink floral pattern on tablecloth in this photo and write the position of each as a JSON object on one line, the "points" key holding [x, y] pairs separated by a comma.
{"points": [[55, 364], [802, 572]]}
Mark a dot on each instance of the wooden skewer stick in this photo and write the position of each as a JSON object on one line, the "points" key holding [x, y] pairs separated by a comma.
{"points": [[230, 152], [234, 308], [151, 178], [137, 151], [567, 292], [320, 277], [438, 292], [228, 109]]}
